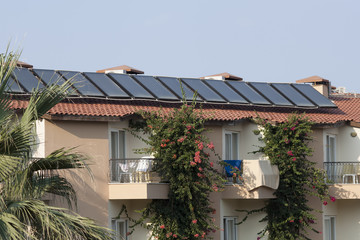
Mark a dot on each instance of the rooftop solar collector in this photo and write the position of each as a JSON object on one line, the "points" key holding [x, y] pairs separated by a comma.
{"points": [[314, 95], [270, 93], [226, 91], [107, 85], [27, 79], [293, 95], [174, 84], [156, 87], [49, 76], [14, 86], [84, 86], [205, 92], [130, 85], [248, 93]]}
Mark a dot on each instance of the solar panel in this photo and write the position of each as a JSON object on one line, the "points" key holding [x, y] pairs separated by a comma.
{"points": [[156, 87], [271, 94], [205, 92], [174, 85], [294, 96], [84, 86], [14, 86], [226, 91], [106, 84], [130, 85], [314, 95], [49, 76], [27, 79], [248, 92]]}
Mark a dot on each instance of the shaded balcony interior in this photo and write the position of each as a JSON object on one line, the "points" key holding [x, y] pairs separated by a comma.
{"points": [[250, 173], [342, 172]]}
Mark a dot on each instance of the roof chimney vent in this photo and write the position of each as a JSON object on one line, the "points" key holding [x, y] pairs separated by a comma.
{"points": [[23, 64], [223, 76], [322, 85], [123, 69]]}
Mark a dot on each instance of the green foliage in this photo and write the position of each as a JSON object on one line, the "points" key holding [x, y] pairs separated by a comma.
{"points": [[25, 181], [177, 140], [289, 215]]}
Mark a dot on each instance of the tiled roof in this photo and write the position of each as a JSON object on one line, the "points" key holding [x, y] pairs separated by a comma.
{"points": [[348, 110]]}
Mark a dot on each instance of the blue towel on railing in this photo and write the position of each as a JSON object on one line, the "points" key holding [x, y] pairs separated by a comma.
{"points": [[234, 163]]}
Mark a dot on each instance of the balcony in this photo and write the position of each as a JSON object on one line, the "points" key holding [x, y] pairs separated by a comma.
{"points": [[342, 172], [136, 179]]}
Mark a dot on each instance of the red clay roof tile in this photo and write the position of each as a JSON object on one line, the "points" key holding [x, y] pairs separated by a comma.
{"points": [[348, 110]]}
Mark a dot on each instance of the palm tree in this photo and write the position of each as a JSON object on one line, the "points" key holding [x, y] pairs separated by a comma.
{"points": [[24, 181]]}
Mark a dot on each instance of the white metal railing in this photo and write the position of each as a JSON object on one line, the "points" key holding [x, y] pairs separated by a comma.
{"points": [[133, 170], [342, 172]]}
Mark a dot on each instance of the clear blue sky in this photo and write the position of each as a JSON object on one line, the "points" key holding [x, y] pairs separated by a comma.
{"points": [[259, 40]]}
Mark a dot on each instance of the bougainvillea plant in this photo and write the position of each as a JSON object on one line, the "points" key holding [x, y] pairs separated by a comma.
{"points": [[289, 216], [176, 139]]}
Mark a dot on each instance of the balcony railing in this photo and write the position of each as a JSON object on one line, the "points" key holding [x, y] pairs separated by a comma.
{"points": [[342, 172], [133, 170]]}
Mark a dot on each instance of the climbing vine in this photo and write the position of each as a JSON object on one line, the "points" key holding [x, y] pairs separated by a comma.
{"points": [[289, 215], [176, 139]]}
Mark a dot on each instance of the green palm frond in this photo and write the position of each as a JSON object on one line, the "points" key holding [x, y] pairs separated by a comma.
{"points": [[24, 181]]}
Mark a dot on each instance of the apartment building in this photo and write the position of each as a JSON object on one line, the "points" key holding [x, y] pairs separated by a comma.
{"points": [[96, 116]]}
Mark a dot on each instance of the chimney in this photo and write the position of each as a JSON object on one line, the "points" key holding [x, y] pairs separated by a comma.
{"points": [[223, 76], [320, 84], [123, 69], [23, 64]]}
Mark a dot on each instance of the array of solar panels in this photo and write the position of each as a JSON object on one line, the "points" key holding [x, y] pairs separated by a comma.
{"points": [[90, 84]]}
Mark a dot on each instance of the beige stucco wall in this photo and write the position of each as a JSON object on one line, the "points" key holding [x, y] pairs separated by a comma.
{"points": [[348, 147], [250, 228], [91, 138], [347, 218]]}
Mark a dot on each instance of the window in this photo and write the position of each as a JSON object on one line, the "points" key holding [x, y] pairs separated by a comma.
{"points": [[120, 227], [330, 148], [117, 144], [231, 146], [329, 228], [230, 230]]}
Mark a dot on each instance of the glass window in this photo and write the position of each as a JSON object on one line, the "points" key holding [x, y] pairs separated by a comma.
{"points": [[230, 230], [120, 228], [117, 145], [330, 148], [329, 228], [231, 146]]}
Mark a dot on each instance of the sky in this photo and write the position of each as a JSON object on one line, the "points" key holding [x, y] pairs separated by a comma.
{"points": [[258, 40]]}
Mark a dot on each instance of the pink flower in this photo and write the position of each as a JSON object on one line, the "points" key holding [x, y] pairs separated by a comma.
{"points": [[189, 127], [287, 141], [325, 203], [162, 226], [163, 145], [290, 153], [174, 156], [200, 169], [211, 164], [291, 221], [193, 163], [294, 159], [180, 140], [234, 174], [293, 128], [196, 235], [200, 146], [210, 145], [194, 221], [200, 175], [174, 236], [333, 199], [149, 126], [313, 187], [258, 238], [285, 128]]}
